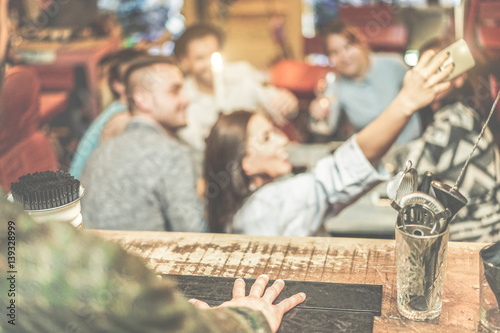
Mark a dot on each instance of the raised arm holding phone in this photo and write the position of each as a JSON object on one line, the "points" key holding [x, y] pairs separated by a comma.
{"points": [[245, 155], [63, 289]]}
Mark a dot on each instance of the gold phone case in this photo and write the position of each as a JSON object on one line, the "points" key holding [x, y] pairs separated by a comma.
{"points": [[459, 55]]}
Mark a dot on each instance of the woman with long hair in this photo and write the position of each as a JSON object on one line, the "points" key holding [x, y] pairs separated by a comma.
{"points": [[245, 154]]}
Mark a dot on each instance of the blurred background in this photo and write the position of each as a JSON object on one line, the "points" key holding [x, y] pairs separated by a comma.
{"points": [[66, 42]]}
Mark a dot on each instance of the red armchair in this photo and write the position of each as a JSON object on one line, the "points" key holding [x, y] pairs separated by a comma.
{"points": [[23, 147], [56, 82], [297, 76]]}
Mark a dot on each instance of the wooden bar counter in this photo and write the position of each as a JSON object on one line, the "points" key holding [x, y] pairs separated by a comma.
{"points": [[342, 260]]}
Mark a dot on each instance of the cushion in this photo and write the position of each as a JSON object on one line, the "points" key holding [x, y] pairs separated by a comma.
{"points": [[51, 104], [35, 153], [20, 106]]}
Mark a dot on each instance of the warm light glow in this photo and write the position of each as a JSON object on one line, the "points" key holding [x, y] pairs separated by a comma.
{"points": [[324, 102], [216, 61], [218, 80]]}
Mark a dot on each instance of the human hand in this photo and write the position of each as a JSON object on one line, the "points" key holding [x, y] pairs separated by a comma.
{"points": [[260, 299], [319, 108], [422, 84], [284, 103]]}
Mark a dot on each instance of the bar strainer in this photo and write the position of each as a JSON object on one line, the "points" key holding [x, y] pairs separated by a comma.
{"points": [[418, 208], [403, 183]]}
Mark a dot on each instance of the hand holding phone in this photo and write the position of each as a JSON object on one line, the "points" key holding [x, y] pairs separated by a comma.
{"points": [[459, 55]]}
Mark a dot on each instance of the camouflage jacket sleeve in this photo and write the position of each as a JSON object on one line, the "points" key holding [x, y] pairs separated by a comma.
{"points": [[70, 281]]}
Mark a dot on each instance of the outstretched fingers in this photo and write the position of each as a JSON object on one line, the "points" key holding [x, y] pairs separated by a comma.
{"points": [[273, 291], [239, 288], [199, 304], [289, 303], [259, 286], [261, 299]]}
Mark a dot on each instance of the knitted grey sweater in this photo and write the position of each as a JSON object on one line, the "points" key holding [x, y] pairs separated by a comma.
{"points": [[141, 180]]}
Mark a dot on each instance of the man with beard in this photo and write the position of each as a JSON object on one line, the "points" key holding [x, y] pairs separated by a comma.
{"points": [[143, 179], [137, 300], [242, 86]]}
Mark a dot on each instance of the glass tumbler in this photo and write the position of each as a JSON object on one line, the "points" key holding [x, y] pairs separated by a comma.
{"points": [[421, 263], [489, 292]]}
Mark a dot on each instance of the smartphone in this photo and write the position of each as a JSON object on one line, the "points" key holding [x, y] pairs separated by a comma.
{"points": [[459, 55]]}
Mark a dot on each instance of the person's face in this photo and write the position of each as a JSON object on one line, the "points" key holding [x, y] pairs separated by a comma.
{"points": [[165, 99], [266, 149], [197, 60], [349, 59]]}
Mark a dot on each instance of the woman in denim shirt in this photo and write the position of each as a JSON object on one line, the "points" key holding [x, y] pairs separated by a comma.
{"points": [[245, 154]]}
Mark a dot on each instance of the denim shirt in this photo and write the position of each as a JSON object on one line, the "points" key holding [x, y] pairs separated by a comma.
{"points": [[364, 100], [298, 205]]}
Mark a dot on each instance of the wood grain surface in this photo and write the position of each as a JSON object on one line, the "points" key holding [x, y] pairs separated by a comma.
{"points": [[352, 310], [343, 260]]}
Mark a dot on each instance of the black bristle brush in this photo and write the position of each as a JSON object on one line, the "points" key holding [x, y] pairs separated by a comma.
{"points": [[45, 190]]}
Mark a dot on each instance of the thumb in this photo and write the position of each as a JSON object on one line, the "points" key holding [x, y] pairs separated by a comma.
{"points": [[199, 304]]}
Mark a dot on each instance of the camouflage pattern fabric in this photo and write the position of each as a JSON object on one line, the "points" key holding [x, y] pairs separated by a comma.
{"points": [[70, 281]]}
